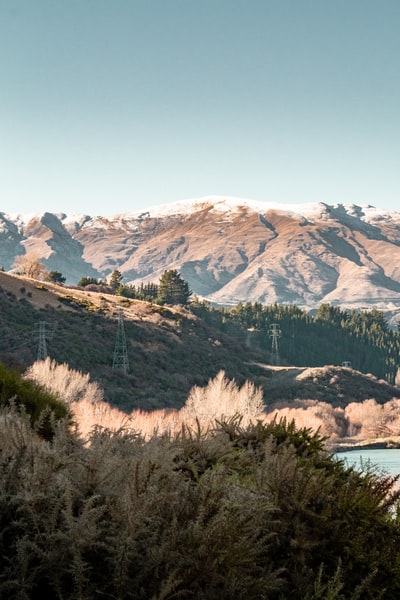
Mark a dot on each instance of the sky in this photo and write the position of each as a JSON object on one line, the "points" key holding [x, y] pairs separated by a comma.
{"points": [[112, 106]]}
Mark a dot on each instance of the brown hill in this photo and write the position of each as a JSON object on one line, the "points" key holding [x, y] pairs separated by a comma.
{"points": [[169, 349], [335, 385], [228, 250]]}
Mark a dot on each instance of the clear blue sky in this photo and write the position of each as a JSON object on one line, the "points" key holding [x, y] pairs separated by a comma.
{"points": [[110, 106]]}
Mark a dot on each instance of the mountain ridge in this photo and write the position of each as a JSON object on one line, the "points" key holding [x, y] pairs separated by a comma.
{"points": [[228, 249]]}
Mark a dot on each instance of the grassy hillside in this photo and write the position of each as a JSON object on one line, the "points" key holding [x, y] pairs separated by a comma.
{"points": [[170, 350], [336, 385]]}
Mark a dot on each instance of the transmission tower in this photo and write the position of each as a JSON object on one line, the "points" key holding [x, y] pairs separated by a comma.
{"points": [[42, 347], [120, 358], [274, 333]]}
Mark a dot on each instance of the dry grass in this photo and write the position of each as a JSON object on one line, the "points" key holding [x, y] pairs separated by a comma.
{"points": [[65, 383], [221, 399], [88, 416]]}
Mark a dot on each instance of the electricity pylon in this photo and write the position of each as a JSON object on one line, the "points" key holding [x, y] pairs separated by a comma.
{"points": [[42, 347], [120, 358], [274, 333]]}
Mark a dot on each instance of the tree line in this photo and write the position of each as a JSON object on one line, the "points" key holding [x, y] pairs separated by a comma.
{"points": [[171, 289], [332, 336]]}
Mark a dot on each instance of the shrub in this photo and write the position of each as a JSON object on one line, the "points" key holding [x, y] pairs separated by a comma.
{"points": [[55, 277], [222, 398], [32, 398], [256, 512], [329, 420], [67, 384], [369, 419]]}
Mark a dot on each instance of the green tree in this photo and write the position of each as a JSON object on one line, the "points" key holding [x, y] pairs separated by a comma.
{"points": [[173, 289], [32, 398], [397, 378], [146, 291], [115, 280], [55, 277], [329, 313], [84, 281]]}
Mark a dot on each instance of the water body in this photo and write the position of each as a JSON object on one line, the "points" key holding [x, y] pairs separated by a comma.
{"points": [[387, 460]]}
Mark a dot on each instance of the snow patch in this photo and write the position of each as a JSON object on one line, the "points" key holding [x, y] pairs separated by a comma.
{"points": [[222, 204]]}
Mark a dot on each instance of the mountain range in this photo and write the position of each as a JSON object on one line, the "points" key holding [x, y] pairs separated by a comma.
{"points": [[227, 249]]}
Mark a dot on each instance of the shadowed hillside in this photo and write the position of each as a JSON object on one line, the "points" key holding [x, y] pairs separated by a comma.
{"points": [[170, 349], [335, 385]]}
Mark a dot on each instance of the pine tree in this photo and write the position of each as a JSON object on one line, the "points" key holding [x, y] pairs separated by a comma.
{"points": [[116, 280], [55, 277], [173, 289], [397, 379], [84, 281]]}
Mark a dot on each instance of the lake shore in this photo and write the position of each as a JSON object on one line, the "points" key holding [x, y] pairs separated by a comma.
{"points": [[347, 444]]}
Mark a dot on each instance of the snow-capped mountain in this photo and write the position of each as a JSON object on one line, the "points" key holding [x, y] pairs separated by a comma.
{"points": [[228, 249]]}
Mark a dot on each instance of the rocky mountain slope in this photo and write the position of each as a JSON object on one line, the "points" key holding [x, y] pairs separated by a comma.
{"points": [[229, 250]]}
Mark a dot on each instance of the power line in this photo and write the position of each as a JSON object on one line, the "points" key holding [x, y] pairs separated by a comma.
{"points": [[41, 333], [17, 347], [120, 357], [42, 346], [274, 333]]}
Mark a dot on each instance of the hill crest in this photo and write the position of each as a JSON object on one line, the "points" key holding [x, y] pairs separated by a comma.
{"points": [[227, 249]]}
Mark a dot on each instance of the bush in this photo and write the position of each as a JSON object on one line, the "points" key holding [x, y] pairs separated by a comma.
{"points": [[32, 398], [257, 512], [222, 399], [65, 383]]}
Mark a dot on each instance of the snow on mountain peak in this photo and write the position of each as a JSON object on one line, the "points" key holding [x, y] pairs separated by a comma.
{"points": [[312, 210], [222, 204], [226, 204]]}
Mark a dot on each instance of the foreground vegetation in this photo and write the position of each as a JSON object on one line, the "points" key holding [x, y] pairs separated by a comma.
{"points": [[40, 406], [225, 507], [228, 512]]}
